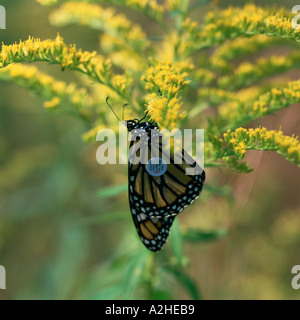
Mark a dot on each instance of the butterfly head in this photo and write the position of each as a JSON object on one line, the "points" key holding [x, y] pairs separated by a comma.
{"points": [[131, 124]]}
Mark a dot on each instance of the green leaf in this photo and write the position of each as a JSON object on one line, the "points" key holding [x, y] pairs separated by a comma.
{"points": [[160, 295], [196, 235], [186, 281], [112, 191], [111, 293], [134, 271], [176, 241]]}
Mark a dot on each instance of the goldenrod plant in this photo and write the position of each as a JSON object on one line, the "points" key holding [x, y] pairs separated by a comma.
{"points": [[193, 73]]}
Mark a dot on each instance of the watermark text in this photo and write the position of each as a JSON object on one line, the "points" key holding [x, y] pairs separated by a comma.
{"points": [[2, 278], [153, 148], [2, 18], [296, 278], [295, 20]]}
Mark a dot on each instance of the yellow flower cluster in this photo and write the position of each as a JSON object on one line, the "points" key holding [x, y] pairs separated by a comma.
{"points": [[57, 91], [238, 47], [234, 22], [57, 52], [47, 2], [165, 81], [253, 104], [234, 32], [279, 22], [249, 94], [189, 37], [121, 55], [120, 81], [165, 111], [55, 102], [172, 5], [180, 6], [149, 7], [165, 78], [192, 27], [242, 139], [96, 17], [205, 76], [171, 47], [277, 98], [247, 73], [216, 96]]}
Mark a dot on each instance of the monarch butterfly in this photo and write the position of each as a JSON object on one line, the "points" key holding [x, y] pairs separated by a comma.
{"points": [[158, 191]]}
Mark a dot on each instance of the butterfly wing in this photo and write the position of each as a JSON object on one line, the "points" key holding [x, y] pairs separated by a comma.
{"points": [[154, 199], [153, 232], [166, 194]]}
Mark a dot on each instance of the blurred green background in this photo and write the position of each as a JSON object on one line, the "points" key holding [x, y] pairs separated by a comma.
{"points": [[53, 243]]}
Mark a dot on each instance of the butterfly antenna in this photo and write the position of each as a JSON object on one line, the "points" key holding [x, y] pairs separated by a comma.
{"points": [[112, 109], [144, 116]]}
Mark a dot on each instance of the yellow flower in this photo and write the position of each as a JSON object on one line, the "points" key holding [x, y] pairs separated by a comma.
{"points": [[166, 78], [261, 139], [56, 51], [47, 2], [156, 107], [151, 7], [45, 85], [205, 76], [164, 81], [48, 50], [99, 18], [52, 104], [165, 112], [254, 104], [249, 21], [237, 47]]}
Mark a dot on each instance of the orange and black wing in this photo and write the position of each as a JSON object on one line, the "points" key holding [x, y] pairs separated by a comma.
{"points": [[166, 194], [155, 199], [153, 232]]}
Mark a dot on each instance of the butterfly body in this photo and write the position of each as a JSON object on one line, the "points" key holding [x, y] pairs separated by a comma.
{"points": [[158, 189]]}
